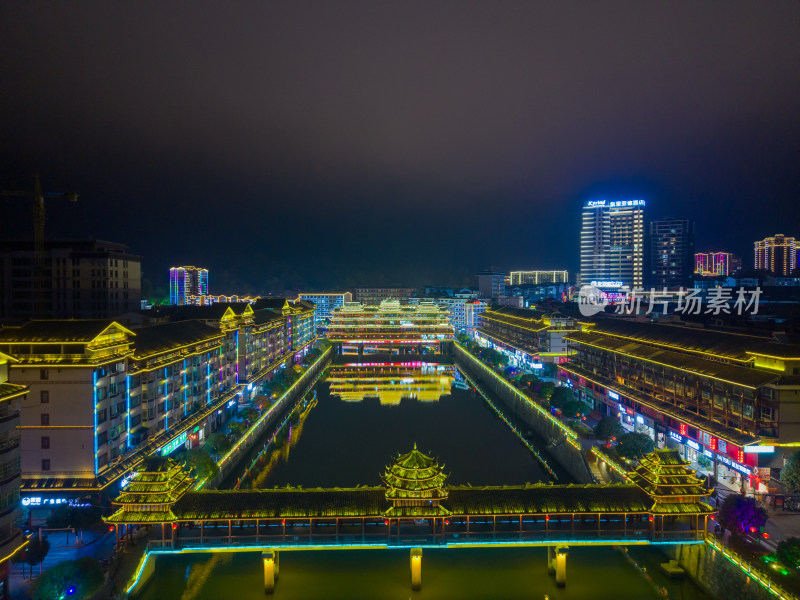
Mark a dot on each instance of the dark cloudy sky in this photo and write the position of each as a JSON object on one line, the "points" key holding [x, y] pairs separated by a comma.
{"points": [[320, 144]]}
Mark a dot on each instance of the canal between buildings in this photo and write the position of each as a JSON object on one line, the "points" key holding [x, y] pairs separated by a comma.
{"points": [[343, 434]]}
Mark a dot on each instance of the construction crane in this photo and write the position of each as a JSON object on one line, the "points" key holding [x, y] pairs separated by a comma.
{"points": [[38, 198]]}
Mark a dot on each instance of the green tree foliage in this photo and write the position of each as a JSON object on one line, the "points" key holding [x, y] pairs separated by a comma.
{"points": [[262, 402], [790, 474], [33, 554], [494, 357], [528, 379], [559, 396], [573, 408], [248, 414], [789, 553], [463, 338], [739, 514], [217, 443], [237, 427], [608, 428], [199, 463], [634, 445], [84, 576]]}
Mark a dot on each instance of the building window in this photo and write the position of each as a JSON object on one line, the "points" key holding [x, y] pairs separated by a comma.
{"points": [[44, 396], [45, 464], [45, 443], [43, 374], [45, 419]]}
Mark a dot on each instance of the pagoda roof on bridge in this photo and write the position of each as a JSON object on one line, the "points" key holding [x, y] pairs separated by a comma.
{"points": [[371, 502], [666, 478], [151, 492]]}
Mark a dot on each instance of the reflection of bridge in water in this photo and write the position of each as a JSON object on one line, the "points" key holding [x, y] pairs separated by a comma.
{"points": [[662, 504], [391, 382]]}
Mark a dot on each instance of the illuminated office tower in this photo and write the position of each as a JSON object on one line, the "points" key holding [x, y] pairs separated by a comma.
{"points": [[185, 282], [669, 253], [536, 277], [612, 239], [776, 254]]}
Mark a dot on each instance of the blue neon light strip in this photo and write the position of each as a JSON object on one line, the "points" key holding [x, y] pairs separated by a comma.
{"points": [[166, 403], [94, 400], [128, 403], [185, 397]]}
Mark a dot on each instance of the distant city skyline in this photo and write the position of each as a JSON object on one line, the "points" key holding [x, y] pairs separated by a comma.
{"points": [[291, 157]]}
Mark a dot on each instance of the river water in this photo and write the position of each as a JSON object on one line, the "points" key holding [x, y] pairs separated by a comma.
{"points": [[361, 416]]}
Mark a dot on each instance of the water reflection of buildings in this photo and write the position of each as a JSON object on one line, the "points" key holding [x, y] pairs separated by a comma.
{"points": [[391, 382]]}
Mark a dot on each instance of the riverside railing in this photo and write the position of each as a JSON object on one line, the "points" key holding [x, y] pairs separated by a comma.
{"points": [[513, 428], [580, 529], [762, 575], [241, 446], [571, 435]]}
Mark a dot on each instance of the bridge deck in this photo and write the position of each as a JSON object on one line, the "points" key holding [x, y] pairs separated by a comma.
{"points": [[452, 531]]}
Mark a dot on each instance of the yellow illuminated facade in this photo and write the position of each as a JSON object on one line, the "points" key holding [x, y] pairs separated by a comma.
{"points": [[11, 538], [389, 326], [102, 396], [536, 277], [391, 382], [532, 336]]}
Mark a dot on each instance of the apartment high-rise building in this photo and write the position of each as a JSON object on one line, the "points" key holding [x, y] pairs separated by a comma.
{"points": [[716, 263], [612, 243], [11, 538], [326, 302], [185, 282], [537, 277], [669, 252], [776, 254], [88, 279], [491, 284]]}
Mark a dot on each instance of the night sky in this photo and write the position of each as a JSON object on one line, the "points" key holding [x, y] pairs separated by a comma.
{"points": [[331, 144]]}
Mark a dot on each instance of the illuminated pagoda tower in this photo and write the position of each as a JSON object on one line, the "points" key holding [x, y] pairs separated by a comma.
{"points": [[673, 486], [415, 486], [151, 493]]}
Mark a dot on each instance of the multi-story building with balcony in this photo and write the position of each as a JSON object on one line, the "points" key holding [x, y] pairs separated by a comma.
{"points": [[776, 254], [76, 375], [102, 396], [177, 370], [529, 336], [732, 398], [390, 327], [11, 538]]}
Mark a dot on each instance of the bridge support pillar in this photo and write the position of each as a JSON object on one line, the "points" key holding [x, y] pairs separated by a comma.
{"points": [[551, 560], [269, 571], [277, 560], [416, 568], [561, 565]]}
